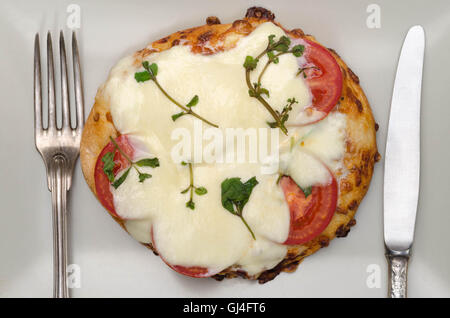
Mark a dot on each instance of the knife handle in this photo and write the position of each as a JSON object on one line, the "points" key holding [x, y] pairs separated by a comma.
{"points": [[398, 268]]}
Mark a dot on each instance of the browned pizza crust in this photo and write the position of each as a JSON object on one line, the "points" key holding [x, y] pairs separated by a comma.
{"points": [[361, 149]]}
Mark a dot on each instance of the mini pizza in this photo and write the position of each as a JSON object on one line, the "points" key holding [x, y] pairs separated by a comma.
{"points": [[205, 212]]}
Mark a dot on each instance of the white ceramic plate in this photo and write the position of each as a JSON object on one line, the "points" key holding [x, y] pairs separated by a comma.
{"points": [[112, 263]]}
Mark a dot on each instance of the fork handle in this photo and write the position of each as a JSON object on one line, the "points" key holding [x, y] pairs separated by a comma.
{"points": [[398, 269], [59, 208]]}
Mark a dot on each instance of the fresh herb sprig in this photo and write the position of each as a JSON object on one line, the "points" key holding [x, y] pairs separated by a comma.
{"points": [[150, 72], [109, 165], [302, 70], [192, 103], [284, 115], [273, 51], [235, 196], [198, 190]]}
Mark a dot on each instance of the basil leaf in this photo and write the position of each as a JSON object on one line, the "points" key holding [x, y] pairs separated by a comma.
{"points": [[122, 178], [298, 50], [153, 69], [292, 100], [248, 188], [229, 206], [271, 37], [149, 162], [108, 167], [150, 72], [201, 190], [232, 190], [250, 63], [264, 91], [144, 176], [190, 204], [272, 57], [272, 124], [193, 102], [285, 40], [281, 47], [185, 190], [229, 188], [236, 193], [177, 115], [142, 76]]}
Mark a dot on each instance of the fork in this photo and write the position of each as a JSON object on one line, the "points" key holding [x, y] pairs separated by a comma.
{"points": [[58, 146]]}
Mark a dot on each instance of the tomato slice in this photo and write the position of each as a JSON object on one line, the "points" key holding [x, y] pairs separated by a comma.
{"points": [[102, 184], [311, 215], [192, 271], [323, 76]]}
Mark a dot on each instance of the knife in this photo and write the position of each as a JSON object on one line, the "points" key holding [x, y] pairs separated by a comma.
{"points": [[402, 161]]}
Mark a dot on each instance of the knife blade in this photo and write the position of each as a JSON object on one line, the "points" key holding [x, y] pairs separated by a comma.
{"points": [[402, 160]]}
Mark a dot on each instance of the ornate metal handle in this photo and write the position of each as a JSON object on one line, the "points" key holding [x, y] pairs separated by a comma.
{"points": [[398, 267], [59, 198]]}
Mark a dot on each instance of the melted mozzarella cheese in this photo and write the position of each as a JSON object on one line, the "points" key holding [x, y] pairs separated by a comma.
{"points": [[138, 229], [325, 139], [210, 236], [262, 251], [312, 149], [304, 168], [267, 212]]}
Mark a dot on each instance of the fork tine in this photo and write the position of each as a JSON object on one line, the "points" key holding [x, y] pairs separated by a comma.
{"points": [[79, 99], [51, 85], [64, 85], [37, 87]]}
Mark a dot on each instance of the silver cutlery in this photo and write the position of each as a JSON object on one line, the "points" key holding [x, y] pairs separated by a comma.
{"points": [[402, 161], [59, 145]]}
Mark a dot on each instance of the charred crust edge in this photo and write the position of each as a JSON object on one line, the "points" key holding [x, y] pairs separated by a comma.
{"points": [[212, 20], [242, 26], [353, 76], [259, 13], [205, 37], [343, 230], [297, 33]]}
